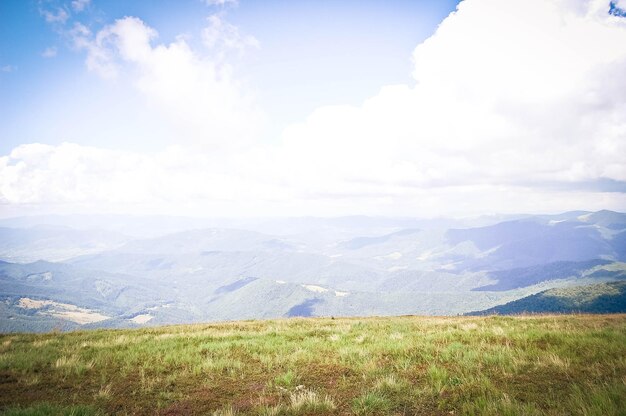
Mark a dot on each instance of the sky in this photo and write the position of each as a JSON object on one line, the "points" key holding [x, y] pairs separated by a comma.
{"points": [[289, 108]]}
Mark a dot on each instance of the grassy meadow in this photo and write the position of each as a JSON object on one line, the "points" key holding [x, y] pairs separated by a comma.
{"points": [[524, 365]]}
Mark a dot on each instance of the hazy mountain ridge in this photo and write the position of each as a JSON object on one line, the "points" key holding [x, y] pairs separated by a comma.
{"points": [[208, 274], [54, 243], [528, 242]]}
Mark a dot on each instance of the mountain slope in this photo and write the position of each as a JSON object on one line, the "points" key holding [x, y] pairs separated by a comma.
{"points": [[526, 276], [54, 243], [543, 239], [599, 298], [338, 267]]}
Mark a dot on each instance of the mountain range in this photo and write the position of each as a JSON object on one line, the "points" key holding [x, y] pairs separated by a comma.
{"points": [[84, 272]]}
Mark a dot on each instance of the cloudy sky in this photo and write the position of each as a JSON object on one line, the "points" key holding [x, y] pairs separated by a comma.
{"points": [[263, 108]]}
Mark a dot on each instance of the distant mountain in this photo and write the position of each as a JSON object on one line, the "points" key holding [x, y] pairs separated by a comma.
{"points": [[598, 298], [541, 240], [329, 229], [527, 276], [206, 240], [54, 243], [145, 226], [608, 219], [43, 296], [111, 294], [349, 266], [360, 242]]}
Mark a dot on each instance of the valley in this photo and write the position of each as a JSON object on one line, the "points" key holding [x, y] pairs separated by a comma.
{"points": [[353, 266]]}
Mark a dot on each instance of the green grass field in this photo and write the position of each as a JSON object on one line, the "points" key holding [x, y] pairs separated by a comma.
{"points": [[555, 365]]}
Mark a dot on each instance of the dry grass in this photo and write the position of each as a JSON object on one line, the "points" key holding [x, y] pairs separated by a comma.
{"points": [[552, 365]]}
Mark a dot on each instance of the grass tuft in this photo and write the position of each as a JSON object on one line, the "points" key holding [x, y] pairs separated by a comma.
{"points": [[371, 403], [306, 401]]}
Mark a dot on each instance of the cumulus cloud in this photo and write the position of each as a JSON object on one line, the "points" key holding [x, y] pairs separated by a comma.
{"points": [[223, 36], [59, 16], [69, 174], [515, 106], [197, 91], [8, 68], [179, 181], [80, 5], [49, 52], [221, 2], [506, 93]]}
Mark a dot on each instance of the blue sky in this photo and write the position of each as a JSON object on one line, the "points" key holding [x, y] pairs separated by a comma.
{"points": [[310, 54], [250, 108]]}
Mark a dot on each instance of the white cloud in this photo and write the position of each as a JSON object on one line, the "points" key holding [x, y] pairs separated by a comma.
{"points": [[220, 2], [180, 181], [223, 36], [8, 68], [80, 5], [60, 16], [175, 178], [198, 92], [99, 58], [517, 106], [507, 93], [49, 52]]}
